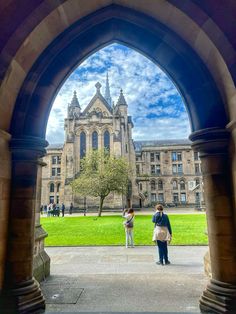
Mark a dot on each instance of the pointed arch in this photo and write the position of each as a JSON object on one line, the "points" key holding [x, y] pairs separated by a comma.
{"points": [[106, 140], [82, 144]]}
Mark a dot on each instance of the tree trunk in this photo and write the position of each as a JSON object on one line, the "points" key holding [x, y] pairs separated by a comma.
{"points": [[100, 206]]}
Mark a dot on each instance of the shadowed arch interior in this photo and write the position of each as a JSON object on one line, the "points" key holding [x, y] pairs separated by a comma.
{"points": [[117, 24]]}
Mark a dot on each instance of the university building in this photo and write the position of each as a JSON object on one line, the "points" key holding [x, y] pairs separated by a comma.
{"points": [[167, 172]]}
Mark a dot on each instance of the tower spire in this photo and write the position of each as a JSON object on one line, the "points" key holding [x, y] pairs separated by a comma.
{"points": [[107, 91]]}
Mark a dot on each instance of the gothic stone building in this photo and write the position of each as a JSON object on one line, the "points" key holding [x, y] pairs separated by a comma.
{"points": [[168, 172]]}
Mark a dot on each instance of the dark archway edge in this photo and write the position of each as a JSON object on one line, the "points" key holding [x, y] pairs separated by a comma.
{"points": [[138, 31]]}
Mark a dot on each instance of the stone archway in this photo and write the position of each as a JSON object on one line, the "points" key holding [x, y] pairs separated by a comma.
{"points": [[203, 96]]}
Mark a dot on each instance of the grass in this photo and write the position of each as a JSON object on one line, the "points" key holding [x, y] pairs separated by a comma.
{"points": [[108, 230]]}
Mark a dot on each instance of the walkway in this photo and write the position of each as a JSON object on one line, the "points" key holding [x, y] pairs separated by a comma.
{"points": [[115, 279]]}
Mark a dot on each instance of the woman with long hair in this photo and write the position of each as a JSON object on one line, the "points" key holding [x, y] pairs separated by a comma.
{"points": [[163, 234]]}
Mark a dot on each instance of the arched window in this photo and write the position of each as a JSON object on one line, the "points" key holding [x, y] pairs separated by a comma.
{"points": [[106, 140], [51, 187], [160, 185], [58, 187], [182, 185], [95, 140], [153, 185], [175, 185], [82, 144]]}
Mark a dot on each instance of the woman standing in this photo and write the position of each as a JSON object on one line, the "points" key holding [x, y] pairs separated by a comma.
{"points": [[163, 234], [129, 225]]}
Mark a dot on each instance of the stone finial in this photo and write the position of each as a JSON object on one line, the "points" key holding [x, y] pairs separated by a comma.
{"points": [[98, 87]]}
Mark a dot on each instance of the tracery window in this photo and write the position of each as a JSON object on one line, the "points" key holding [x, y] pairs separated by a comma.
{"points": [[95, 140], [82, 144], [106, 139]]}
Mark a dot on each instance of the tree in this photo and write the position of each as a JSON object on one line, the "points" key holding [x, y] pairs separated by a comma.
{"points": [[101, 174]]}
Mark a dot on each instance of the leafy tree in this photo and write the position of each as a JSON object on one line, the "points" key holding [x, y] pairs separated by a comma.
{"points": [[101, 174]]}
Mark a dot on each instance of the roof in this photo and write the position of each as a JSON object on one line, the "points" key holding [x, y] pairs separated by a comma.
{"points": [[153, 143], [55, 146]]}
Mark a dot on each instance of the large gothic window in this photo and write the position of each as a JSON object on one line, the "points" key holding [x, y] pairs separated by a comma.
{"points": [[95, 140], [107, 140], [82, 144]]}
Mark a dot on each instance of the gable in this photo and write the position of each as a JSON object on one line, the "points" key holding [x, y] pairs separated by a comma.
{"points": [[98, 104]]}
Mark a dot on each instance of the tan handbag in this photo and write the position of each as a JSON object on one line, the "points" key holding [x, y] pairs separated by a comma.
{"points": [[161, 233]]}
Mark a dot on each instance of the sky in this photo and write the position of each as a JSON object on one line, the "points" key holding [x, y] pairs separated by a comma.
{"points": [[156, 107]]}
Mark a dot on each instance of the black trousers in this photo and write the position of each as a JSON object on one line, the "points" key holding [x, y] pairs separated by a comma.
{"points": [[163, 251]]}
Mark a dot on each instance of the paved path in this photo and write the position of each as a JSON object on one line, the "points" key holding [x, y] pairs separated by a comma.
{"points": [[116, 279]]}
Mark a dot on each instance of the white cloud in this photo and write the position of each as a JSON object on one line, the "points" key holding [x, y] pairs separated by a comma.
{"points": [[147, 89]]}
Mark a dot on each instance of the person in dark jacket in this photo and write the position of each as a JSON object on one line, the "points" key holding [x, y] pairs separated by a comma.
{"points": [[63, 209], [161, 219]]}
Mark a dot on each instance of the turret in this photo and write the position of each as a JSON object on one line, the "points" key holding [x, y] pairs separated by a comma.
{"points": [[74, 108], [121, 104]]}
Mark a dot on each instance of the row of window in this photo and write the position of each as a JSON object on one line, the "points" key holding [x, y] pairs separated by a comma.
{"points": [[176, 197], [175, 156], [175, 185], [106, 141], [176, 169]]}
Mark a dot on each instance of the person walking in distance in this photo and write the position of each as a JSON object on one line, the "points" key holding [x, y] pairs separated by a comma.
{"points": [[162, 234], [62, 209], [129, 225], [71, 208]]}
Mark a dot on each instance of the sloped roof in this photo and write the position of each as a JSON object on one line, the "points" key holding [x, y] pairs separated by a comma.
{"points": [[55, 146], [153, 143]]}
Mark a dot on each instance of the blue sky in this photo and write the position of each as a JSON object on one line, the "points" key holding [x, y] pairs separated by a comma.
{"points": [[154, 103]]}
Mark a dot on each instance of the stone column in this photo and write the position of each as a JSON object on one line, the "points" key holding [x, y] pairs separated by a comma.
{"points": [[41, 268], [213, 146], [21, 292]]}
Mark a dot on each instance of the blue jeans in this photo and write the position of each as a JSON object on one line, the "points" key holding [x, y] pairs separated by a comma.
{"points": [[163, 251], [129, 237]]}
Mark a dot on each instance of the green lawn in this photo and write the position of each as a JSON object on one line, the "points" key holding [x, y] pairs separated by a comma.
{"points": [[108, 230]]}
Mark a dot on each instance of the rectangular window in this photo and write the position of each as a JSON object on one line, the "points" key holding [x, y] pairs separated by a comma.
{"points": [[175, 197], [51, 199], [152, 157], [174, 156], [157, 156], [53, 172], [56, 172], [161, 197], [179, 156], [180, 168], [56, 160], [158, 169], [57, 199], [152, 169], [138, 169], [153, 197], [197, 198], [183, 197], [174, 169], [196, 156], [140, 186], [197, 168]]}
